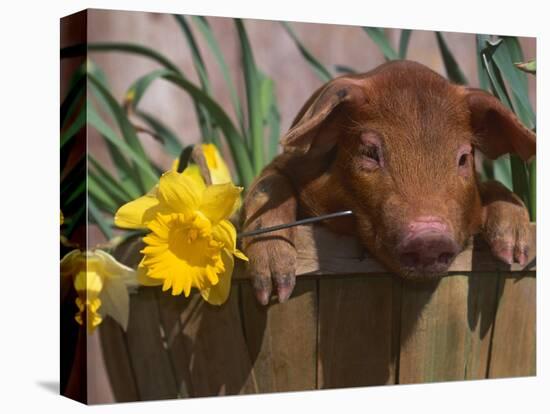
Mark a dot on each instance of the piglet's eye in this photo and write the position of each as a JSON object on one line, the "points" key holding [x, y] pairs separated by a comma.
{"points": [[372, 152], [371, 157], [463, 160]]}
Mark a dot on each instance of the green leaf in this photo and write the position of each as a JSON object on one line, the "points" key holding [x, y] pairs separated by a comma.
{"points": [[253, 99], [379, 37], [404, 39], [108, 192], [528, 67], [198, 61], [142, 164], [73, 129], [136, 91], [208, 35], [506, 53], [270, 115], [344, 69], [133, 97], [110, 183], [98, 218], [519, 177], [79, 191], [200, 68], [76, 219], [493, 73], [124, 169], [487, 171], [145, 173], [267, 87], [482, 75], [454, 73], [321, 71], [234, 139], [71, 179], [171, 142], [97, 193], [82, 49], [503, 171], [73, 98]]}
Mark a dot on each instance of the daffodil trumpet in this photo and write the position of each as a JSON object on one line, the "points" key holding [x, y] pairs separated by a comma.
{"points": [[102, 285]]}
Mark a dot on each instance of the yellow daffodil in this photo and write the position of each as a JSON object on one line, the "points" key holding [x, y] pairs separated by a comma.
{"points": [[215, 163], [191, 243], [101, 283]]}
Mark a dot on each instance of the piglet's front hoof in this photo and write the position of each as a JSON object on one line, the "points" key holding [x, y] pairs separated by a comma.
{"points": [[272, 269], [508, 234]]}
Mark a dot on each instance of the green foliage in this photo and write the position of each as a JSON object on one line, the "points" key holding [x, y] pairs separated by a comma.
{"points": [[509, 85], [322, 72], [379, 37], [454, 73]]}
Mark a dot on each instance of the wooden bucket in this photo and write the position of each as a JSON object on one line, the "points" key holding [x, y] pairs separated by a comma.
{"points": [[348, 323]]}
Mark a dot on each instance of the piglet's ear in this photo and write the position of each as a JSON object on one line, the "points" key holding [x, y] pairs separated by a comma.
{"points": [[497, 129], [318, 124]]}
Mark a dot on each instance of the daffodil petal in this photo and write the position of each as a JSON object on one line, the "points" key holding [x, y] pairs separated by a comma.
{"points": [[218, 168], [219, 200], [178, 192], [193, 173], [138, 213], [71, 262], [240, 255], [218, 293], [145, 280], [175, 165], [225, 233], [115, 301], [114, 269]]}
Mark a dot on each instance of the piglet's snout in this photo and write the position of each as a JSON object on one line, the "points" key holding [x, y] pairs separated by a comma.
{"points": [[428, 247]]}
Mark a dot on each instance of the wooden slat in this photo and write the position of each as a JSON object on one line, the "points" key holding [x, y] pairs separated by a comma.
{"points": [[482, 289], [513, 352], [207, 346], [321, 252], [281, 339], [151, 364], [117, 362], [356, 320], [445, 331], [171, 309]]}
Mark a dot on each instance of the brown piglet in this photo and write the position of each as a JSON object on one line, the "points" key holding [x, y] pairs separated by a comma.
{"points": [[396, 146]]}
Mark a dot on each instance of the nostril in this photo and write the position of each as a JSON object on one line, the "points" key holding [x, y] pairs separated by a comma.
{"points": [[410, 259], [445, 258]]}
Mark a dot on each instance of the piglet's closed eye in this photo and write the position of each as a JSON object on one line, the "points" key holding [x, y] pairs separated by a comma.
{"points": [[498, 131]]}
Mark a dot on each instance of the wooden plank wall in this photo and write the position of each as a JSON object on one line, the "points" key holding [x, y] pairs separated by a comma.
{"points": [[335, 331]]}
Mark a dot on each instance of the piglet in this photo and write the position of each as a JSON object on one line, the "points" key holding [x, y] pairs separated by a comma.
{"points": [[396, 146]]}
